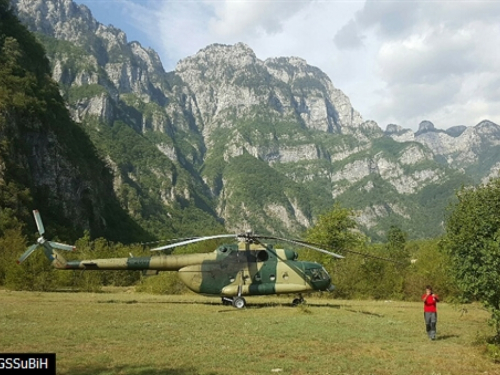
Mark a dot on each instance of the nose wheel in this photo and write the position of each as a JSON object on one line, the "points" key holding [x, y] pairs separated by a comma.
{"points": [[238, 302]]}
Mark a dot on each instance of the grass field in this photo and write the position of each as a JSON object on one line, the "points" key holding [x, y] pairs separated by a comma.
{"points": [[124, 332]]}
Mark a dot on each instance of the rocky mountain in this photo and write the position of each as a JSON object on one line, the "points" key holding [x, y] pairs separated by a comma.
{"points": [[472, 149], [228, 138], [45, 158]]}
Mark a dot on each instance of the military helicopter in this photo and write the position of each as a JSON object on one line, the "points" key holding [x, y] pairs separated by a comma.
{"points": [[231, 271]]}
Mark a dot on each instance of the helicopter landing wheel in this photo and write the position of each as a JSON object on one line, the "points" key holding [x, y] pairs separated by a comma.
{"points": [[298, 301], [239, 302]]}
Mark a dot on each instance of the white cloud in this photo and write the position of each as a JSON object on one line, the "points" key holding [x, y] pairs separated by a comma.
{"points": [[241, 19], [432, 58], [348, 36]]}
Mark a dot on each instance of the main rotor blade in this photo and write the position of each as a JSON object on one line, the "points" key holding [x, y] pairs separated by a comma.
{"points": [[39, 223], [187, 242], [302, 243], [62, 246], [167, 240], [27, 253], [364, 254], [374, 256]]}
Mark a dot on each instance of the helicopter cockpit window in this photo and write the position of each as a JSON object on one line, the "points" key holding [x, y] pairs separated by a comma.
{"points": [[317, 274]]}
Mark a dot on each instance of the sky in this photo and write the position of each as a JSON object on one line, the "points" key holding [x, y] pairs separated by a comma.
{"points": [[399, 61]]}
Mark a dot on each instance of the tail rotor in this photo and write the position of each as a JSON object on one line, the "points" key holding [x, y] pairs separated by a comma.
{"points": [[48, 246]]}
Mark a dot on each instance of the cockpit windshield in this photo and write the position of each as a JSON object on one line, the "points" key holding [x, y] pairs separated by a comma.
{"points": [[317, 274]]}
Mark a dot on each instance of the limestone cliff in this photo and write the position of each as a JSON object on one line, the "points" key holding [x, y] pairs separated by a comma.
{"points": [[262, 144], [46, 161]]}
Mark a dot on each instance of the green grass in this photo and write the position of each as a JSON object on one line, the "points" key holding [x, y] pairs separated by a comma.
{"points": [[124, 332]]}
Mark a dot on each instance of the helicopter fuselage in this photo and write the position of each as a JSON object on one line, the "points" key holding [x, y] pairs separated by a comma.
{"points": [[231, 270]]}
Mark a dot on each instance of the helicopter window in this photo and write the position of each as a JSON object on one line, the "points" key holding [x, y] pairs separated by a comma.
{"points": [[257, 277], [231, 279], [262, 256], [324, 274], [272, 277], [317, 274], [223, 249], [285, 276]]}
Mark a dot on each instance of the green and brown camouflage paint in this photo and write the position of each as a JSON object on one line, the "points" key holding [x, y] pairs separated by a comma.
{"points": [[231, 270]]}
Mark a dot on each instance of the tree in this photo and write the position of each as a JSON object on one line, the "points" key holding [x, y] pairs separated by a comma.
{"points": [[431, 267], [472, 240], [396, 244], [336, 230]]}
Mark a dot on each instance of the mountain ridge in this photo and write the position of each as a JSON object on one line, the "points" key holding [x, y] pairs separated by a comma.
{"points": [[223, 112]]}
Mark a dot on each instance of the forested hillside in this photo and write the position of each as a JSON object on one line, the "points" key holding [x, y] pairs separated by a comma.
{"points": [[46, 160]]}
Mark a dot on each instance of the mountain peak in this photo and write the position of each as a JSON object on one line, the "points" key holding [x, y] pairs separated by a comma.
{"points": [[226, 48], [426, 126], [485, 122], [61, 19], [292, 60], [393, 128], [238, 55]]}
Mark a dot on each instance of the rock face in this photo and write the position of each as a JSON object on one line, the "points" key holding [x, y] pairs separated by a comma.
{"points": [[128, 67], [46, 161], [267, 144], [225, 79], [460, 146]]}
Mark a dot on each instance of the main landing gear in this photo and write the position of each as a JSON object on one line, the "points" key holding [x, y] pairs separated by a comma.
{"points": [[298, 301], [238, 302]]}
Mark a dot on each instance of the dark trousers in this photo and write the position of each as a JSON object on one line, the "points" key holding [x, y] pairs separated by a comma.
{"points": [[430, 324]]}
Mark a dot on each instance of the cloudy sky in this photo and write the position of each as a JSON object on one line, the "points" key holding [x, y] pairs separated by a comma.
{"points": [[398, 61]]}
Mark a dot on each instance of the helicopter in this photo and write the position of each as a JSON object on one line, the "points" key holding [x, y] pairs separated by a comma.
{"points": [[232, 271]]}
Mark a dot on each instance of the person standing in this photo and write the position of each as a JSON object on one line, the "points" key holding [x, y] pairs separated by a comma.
{"points": [[430, 311]]}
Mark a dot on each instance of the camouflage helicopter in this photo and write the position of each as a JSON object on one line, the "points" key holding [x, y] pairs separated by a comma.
{"points": [[231, 271]]}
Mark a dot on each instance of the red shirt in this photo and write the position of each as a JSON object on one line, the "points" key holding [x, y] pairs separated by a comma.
{"points": [[430, 302]]}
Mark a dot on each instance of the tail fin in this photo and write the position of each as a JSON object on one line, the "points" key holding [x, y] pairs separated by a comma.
{"points": [[49, 247]]}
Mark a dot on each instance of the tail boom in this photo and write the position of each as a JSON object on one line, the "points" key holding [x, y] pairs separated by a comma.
{"points": [[155, 263]]}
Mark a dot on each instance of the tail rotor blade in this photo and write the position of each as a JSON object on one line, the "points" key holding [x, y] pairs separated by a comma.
{"points": [[39, 223], [27, 253], [62, 246]]}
